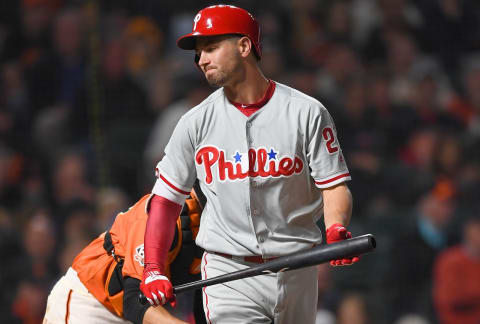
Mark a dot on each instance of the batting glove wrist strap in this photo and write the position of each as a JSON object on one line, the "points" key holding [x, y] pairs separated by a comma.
{"points": [[157, 288], [336, 233]]}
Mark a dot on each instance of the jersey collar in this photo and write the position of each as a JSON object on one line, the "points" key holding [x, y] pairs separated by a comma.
{"points": [[248, 109]]}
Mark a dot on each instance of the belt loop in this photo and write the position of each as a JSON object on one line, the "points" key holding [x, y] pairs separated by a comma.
{"points": [[237, 258]]}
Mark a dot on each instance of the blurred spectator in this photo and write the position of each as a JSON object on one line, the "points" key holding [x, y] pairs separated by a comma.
{"points": [[16, 113], [35, 268], [402, 54], [10, 245], [29, 302], [68, 252], [111, 104], [353, 310], [39, 240], [394, 121], [160, 88], [448, 156], [468, 176], [362, 143], [9, 26], [11, 166], [412, 319], [77, 221], [341, 64], [415, 249], [451, 29], [303, 79], [457, 278], [395, 17], [365, 15], [195, 91], [109, 202], [28, 36], [428, 89], [71, 179], [110, 98], [466, 108], [143, 44], [414, 162], [338, 25], [306, 30], [50, 131], [273, 62], [56, 78]]}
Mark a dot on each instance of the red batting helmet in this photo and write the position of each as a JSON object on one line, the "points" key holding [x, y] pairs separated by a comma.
{"points": [[222, 20]]}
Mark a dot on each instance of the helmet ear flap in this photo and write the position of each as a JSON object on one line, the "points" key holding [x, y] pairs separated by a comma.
{"points": [[196, 59]]}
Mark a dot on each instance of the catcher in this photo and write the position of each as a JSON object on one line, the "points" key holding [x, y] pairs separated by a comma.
{"points": [[102, 285]]}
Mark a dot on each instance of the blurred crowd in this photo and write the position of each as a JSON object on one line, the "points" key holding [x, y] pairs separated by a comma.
{"points": [[91, 90]]}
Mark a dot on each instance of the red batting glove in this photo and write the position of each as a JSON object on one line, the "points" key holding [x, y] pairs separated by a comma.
{"points": [[157, 288], [335, 233]]}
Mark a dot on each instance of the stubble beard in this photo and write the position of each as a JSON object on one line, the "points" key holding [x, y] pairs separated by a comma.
{"points": [[217, 79]]}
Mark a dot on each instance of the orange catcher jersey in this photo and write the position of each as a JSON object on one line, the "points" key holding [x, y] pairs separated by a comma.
{"points": [[93, 263]]}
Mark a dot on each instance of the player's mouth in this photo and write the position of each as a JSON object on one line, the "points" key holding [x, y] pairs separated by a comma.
{"points": [[207, 70]]}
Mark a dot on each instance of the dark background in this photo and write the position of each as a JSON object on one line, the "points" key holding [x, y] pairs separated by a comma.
{"points": [[91, 90]]}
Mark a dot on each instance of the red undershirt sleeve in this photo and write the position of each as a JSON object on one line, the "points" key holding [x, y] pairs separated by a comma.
{"points": [[159, 232]]}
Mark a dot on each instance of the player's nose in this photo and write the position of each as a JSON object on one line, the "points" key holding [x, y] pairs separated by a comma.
{"points": [[202, 59]]}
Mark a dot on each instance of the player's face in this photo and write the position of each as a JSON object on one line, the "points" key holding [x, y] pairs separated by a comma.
{"points": [[219, 59]]}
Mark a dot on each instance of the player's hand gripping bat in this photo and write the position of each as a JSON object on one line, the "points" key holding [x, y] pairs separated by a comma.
{"points": [[317, 255]]}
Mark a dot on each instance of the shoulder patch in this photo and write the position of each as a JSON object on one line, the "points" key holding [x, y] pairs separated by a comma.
{"points": [[139, 254]]}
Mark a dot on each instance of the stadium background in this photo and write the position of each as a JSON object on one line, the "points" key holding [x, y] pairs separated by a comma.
{"points": [[90, 91]]}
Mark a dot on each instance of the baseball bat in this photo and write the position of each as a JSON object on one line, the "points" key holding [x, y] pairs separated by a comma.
{"points": [[317, 255]]}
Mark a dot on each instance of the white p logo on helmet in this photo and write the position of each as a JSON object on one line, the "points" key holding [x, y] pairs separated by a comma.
{"points": [[196, 20]]}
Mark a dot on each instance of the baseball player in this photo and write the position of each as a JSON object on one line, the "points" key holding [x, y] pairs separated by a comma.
{"points": [[269, 162], [102, 285]]}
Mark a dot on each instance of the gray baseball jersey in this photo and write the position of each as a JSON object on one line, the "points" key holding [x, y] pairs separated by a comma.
{"points": [[261, 174]]}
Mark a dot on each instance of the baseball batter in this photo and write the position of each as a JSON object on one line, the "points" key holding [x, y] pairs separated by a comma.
{"points": [[102, 285], [270, 164]]}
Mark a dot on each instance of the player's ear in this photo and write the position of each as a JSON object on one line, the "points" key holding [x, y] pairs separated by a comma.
{"points": [[244, 46]]}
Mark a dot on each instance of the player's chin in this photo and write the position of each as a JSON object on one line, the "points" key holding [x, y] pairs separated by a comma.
{"points": [[215, 82]]}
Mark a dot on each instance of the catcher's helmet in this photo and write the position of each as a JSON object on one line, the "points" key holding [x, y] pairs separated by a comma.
{"points": [[222, 20]]}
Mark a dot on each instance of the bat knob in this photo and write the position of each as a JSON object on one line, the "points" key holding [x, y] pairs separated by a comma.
{"points": [[142, 299]]}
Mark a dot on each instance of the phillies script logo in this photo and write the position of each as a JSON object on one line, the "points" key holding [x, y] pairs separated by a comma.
{"points": [[260, 164]]}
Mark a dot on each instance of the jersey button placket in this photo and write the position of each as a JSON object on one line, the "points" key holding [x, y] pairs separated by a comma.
{"points": [[249, 135]]}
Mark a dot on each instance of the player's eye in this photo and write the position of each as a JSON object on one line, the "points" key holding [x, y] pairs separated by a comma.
{"points": [[211, 48]]}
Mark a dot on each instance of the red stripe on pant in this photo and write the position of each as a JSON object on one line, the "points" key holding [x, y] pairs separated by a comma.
{"points": [[206, 296], [67, 312]]}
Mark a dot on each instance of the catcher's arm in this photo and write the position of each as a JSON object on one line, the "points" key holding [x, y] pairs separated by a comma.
{"points": [[155, 315], [139, 313]]}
